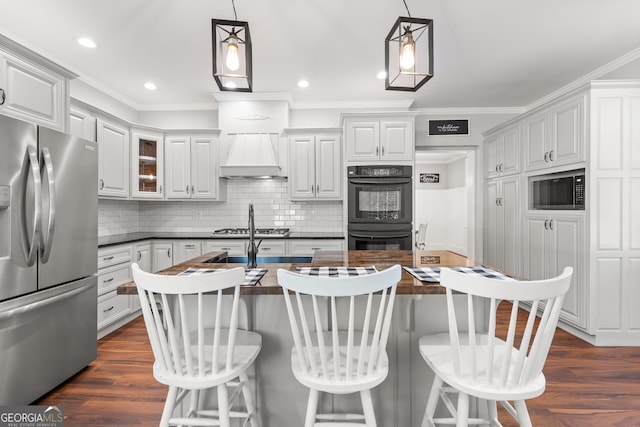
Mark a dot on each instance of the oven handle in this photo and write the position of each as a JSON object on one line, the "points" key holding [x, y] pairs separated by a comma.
{"points": [[368, 236], [377, 181]]}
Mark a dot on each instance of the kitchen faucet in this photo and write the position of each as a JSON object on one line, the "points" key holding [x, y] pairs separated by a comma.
{"points": [[252, 251]]}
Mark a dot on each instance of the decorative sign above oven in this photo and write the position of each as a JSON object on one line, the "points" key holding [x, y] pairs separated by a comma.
{"points": [[448, 127]]}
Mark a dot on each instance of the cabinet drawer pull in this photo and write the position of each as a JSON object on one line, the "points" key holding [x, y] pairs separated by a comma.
{"points": [[546, 224], [192, 190], [108, 280], [187, 189], [108, 258], [225, 249], [266, 248], [108, 309], [316, 249], [551, 224], [160, 189], [546, 157], [551, 156], [139, 255], [3, 96], [501, 167], [169, 252], [101, 184], [377, 151], [383, 150], [189, 246]]}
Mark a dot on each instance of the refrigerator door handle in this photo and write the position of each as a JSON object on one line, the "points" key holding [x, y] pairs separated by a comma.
{"points": [[30, 245], [38, 304], [47, 243]]}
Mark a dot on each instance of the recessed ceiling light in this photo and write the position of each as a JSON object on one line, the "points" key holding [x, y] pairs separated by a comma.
{"points": [[303, 83], [381, 75], [150, 86], [87, 42]]}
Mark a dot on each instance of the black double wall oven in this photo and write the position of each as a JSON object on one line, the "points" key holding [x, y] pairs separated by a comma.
{"points": [[379, 207]]}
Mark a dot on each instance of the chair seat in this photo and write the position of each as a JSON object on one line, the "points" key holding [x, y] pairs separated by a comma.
{"points": [[247, 348], [339, 386], [437, 352]]}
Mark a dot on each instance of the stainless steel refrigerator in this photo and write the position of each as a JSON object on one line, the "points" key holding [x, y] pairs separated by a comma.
{"points": [[48, 258]]}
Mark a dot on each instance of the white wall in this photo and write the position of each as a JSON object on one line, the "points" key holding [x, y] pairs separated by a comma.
{"points": [[269, 197], [102, 101], [194, 119]]}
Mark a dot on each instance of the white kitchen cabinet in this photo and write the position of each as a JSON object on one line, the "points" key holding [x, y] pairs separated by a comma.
{"points": [[185, 250], [142, 255], [147, 165], [502, 152], [114, 269], [113, 159], [81, 123], [315, 167], [502, 243], [191, 168], [310, 246], [33, 88], [161, 256], [553, 241], [555, 136], [231, 247], [272, 247], [379, 139]]}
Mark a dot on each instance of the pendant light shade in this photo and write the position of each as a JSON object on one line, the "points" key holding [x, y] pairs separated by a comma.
{"points": [[232, 69], [408, 54]]}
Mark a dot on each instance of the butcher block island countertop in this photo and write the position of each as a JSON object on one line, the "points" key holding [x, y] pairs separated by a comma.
{"points": [[268, 285]]}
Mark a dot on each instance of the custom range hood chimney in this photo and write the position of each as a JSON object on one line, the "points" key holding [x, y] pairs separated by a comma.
{"points": [[252, 155], [251, 128]]}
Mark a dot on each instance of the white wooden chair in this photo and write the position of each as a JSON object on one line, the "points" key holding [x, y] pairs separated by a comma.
{"points": [[198, 346], [490, 365], [341, 349]]}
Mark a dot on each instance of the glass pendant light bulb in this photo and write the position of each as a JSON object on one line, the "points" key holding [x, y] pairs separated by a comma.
{"points": [[233, 62], [407, 52]]}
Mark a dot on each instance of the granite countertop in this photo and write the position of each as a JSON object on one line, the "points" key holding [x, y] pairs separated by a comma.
{"points": [[118, 239], [268, 285]]}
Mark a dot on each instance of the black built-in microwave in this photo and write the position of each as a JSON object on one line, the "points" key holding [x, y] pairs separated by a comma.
{"points": [[558, 191]]}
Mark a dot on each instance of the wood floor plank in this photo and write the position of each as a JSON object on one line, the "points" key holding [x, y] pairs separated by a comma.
{"points": [[586, 386]]}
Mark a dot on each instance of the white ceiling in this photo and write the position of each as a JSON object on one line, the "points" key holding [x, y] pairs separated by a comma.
{"points": [[488, 53]]}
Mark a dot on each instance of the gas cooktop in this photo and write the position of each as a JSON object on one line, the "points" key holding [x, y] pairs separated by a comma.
{"points": [[260, 232]]}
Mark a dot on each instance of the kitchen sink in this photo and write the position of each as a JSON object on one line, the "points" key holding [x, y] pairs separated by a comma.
{"points": [[267, 259]]}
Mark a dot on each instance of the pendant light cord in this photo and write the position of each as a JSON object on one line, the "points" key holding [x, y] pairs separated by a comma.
{"points": [[236, 15], [405, 5]]}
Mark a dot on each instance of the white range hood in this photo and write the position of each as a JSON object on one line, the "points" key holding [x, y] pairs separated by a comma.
{"points": [[252, 155]]}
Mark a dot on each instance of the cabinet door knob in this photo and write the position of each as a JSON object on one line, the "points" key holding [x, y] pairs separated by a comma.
{"points": [[160, 189], [192, 190], [377, 150], [187, 189], [139, 255], [546, 157], [169, 252], [383, 150], [497, 201], [551, 224], [3, 96], [501, 167], [546, 224], [497, 168], [101, 184], [551, 156]]}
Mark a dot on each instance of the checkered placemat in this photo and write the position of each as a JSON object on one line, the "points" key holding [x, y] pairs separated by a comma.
{"points": [[251, 275], [432, 274], [336, 271]]}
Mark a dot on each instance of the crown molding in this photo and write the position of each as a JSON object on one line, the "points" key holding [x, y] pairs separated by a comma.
{"points": [[355, 105], [465, 111], [587, 78]]}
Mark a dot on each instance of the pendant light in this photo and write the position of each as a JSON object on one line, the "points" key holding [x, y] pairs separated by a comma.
{"points": [[408, 53], [232, 68]]}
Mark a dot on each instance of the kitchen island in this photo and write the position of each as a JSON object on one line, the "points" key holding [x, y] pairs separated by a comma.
{"points": [[268, 285], [420, 309]]}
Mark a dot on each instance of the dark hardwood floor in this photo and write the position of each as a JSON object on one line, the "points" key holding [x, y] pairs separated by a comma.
{"points": [[586, 386]]}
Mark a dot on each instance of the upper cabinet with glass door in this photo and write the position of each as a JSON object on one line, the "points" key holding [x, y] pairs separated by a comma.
{"points": [[147, 165]]}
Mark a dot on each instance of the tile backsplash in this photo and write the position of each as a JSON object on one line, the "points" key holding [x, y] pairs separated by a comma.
{"points": [[271, 204]]}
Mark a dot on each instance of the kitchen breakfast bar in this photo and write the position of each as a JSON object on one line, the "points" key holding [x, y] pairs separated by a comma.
{"points": [[420, 309]]}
